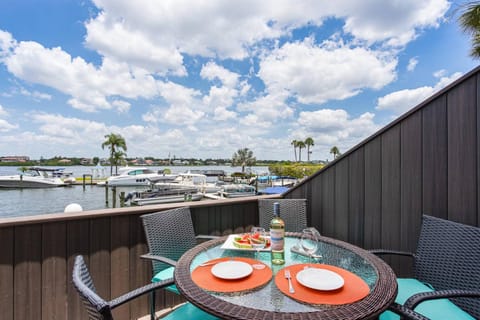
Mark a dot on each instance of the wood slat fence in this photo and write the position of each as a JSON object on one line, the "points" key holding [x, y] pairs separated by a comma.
{"points": [[425, 162]]}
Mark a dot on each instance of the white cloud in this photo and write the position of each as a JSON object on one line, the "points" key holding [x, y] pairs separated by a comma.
{"points": [[90, 87], [6, 43], [5, 126], [211, 71], [403, 100], [328, 127], [331, 71], [396, 22], [269, 107], [412, 63], [2, 111]]}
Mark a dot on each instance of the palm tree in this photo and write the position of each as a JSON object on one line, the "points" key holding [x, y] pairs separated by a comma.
{"points": [[243, 157], [294, 143], [114, 142], [300, 145], [309, 143], [118, 157], [470, 23], [335, 152]]}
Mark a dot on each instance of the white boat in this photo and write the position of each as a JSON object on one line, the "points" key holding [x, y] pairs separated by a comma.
{"points": [[164, 194], [66, 176], [33, 177], [138, 176], [196, 180], [237, 190]]}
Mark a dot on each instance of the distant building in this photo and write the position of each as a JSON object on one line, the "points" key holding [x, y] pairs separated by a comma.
{"points": [[86, 161], [14, 159], [65, 161]]}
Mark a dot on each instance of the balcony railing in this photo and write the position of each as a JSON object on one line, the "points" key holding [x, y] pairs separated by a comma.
{"points": [[37, 253]]}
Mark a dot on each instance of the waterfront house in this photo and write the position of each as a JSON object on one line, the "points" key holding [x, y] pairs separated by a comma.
{"points": [[426, 161]]}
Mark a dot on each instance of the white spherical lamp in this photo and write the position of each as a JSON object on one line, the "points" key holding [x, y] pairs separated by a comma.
{"points": [[73, 207]]}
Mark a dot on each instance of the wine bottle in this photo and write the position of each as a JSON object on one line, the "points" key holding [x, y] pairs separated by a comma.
{"points": [[277, 235]]}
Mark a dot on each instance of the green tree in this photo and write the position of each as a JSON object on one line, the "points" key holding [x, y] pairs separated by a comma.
{"points": [[243, 157], [301, 145], [309, 143], [294, 143], [118, 158], [96, 160], [470, 23], [114, 142], [334, 150]]}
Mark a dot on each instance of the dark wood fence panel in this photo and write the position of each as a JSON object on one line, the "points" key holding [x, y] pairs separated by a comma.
{"points": [[462, 153], [28, 272], [54, 262], [425, 162], [341, 220], [7, 264], [411, 181], [434, 168], [373, 194], [327, 205], [356, 197]]}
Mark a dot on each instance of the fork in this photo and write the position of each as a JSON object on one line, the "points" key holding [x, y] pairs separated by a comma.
{"points": [[289, 278]]}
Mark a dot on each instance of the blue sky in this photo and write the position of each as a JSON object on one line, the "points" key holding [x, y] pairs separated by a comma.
{"points": [[203, 79]]}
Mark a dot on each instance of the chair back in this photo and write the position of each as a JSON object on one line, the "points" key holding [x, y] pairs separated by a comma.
{"points": [[292, 211], [448, 257], [169, 234], [97, 308]]}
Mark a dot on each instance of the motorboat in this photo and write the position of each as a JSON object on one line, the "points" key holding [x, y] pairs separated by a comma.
{"points": [[195, 180], [236, 190], [139, 176], [163, 193], [273, 181], [33, 177], [65, 176]]}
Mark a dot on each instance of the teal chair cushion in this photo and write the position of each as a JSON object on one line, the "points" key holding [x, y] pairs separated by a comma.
{"points": [[188, 311], [164, 275], [433, 309]]}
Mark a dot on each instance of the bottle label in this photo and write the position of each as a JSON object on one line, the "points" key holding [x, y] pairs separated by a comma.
{"points": [[277, 239]]}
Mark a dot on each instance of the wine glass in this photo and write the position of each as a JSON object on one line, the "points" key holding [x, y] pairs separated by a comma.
{"points": [[309, 242], [258, 241]]}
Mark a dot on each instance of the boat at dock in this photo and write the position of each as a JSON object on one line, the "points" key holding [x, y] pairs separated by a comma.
{"points": [[138, 176], [32, 177], [164, 194], [236, 190], [193, 180]]}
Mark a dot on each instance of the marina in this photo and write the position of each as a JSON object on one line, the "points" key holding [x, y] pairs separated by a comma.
{"points": [[39, 201]]}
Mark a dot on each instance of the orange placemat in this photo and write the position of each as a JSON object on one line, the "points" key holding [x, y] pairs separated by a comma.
{"points": [[353, 290], [204, 278]]}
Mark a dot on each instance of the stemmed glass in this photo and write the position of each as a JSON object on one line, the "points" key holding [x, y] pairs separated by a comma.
{"points": [[309, 242], [258, 241]]}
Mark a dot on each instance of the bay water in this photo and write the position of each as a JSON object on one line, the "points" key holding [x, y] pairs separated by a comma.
{"points": [[28, 202]]}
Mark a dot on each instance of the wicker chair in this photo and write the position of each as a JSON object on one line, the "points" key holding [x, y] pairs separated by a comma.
{"points": [[100, 309], [292, 211], [446, 265], [169, 235]]}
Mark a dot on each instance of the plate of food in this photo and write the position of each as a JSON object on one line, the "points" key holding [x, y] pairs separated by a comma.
{"points": [[242, 242]]}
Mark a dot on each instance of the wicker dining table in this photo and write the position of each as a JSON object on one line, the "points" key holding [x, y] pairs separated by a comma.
{"points": [[269, 302]]}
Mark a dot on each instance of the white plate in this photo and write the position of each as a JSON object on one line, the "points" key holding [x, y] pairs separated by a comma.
{"points": [[228, 244], [320, 279], [231, 270]]}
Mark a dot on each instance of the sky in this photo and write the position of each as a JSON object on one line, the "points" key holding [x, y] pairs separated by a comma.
{"points": [[205, 78]]}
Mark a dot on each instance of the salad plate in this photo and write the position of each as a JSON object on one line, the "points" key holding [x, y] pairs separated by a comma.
{"points": [[241, 242]]}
